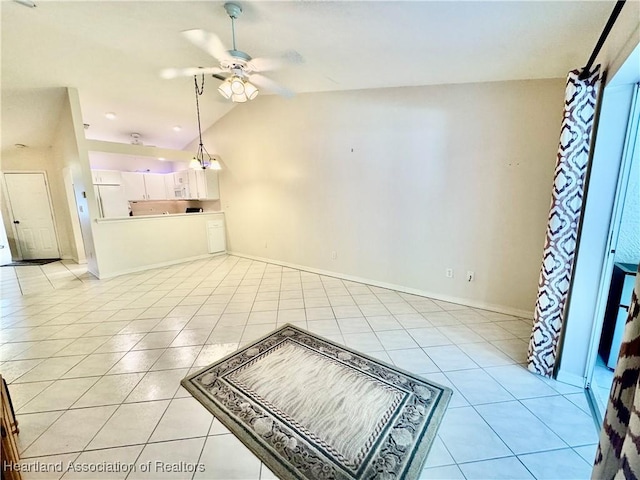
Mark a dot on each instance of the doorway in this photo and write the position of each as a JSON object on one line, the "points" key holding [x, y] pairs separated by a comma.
{"points": [[31, 216], [619, 268]]}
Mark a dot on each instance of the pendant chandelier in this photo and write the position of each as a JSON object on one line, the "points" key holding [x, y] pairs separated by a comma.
{"points": [[202, 159]]}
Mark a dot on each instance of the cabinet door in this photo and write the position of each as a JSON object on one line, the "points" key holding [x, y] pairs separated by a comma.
{"points": [[106, 177], [154, 183], [133, 184], [204, 184], [201, 182], [169, 186], [216, 236], [211, 182], [192, 176]]}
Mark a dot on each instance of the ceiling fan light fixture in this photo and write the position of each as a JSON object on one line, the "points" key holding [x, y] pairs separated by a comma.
{"points": [[241, 98], [237, 85], [225, 88], [250, 90], [238, 89]]}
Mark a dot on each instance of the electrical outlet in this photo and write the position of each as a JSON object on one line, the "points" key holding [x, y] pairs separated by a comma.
{"points": [[449, 273], [334, 255], [470, 276]]}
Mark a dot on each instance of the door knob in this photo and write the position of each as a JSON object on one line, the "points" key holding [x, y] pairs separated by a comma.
{"points": [[16, 222]]}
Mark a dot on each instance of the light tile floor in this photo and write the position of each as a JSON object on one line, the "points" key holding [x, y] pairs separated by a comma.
{"points": [[94, 368], [601, 385]]}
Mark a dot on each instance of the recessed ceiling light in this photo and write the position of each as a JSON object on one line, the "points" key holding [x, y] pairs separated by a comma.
{"points": [[162, 159], [177, 128], [20, 145], [110, 115]]}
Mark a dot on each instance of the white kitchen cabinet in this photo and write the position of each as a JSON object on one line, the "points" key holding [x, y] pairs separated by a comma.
{"points": [[169, 187], [204, 184], [134, 187], [144, 186], [154, 186], [192, 175], [212, 188], [106, 177]]}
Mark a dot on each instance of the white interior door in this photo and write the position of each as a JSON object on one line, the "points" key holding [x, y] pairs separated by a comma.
{"points": [[32, 215]]}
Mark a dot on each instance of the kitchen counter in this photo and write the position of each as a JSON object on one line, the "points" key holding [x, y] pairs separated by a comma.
{"points": [[163, 215], [132, 244]]}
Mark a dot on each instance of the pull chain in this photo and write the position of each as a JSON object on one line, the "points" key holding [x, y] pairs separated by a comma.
{"points": [[201, 150]]}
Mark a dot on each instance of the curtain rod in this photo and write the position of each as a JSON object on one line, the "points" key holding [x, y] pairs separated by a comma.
{"points": [[603, 37]]}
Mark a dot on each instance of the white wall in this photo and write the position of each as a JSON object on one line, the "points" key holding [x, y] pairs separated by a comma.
{"points": [[128, 163], [70, 149], [401, 183], [621, 41]]}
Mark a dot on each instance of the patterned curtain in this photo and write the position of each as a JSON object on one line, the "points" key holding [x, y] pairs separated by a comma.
{"points": [[617, 455], [564, 219]]}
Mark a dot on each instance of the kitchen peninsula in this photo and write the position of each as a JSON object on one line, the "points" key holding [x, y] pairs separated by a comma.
{"points": [[142, 196], [132, 244]]}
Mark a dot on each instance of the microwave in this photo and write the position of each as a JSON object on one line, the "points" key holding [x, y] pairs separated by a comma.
{"points": [[181, 191]]}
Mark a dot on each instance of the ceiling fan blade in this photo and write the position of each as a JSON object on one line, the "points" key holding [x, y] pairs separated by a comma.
{"points": [[209, 42], [274, 63], [265, 64], [170, 73], [263, 82]]}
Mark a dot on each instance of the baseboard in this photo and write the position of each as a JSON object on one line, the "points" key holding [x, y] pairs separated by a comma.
{"points": [[74, 259], [570, 378], [92, 272], [401, 288], [157, 265]]}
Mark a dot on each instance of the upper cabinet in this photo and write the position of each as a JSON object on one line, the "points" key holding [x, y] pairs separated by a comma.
{"points": [[186, 184], [106, 177], [204, 184], [145, 186], [134, 187], [155, 186]]}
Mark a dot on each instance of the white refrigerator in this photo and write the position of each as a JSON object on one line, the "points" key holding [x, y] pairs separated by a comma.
{"points": [[112, 201]]}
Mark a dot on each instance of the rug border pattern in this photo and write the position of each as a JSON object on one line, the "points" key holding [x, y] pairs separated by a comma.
{"points": [[272, 457]]}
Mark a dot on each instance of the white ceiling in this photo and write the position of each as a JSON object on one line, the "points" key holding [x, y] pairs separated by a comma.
{"points": [[112, 51]]}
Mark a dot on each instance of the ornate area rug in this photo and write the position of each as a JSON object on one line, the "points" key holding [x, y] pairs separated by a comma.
{"points": [[309, 408]]}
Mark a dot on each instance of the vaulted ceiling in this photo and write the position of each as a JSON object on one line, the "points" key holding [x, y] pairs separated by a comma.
{"points": [[113, 51]]}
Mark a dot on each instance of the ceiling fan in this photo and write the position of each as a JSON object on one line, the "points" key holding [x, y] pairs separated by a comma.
{"points": [[241, 74]]}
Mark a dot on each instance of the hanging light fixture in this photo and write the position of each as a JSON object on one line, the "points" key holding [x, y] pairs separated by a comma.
{"points": [[215, 164], [202, 159]]}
